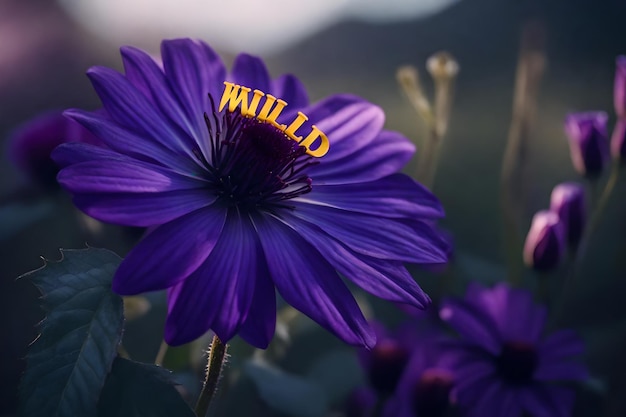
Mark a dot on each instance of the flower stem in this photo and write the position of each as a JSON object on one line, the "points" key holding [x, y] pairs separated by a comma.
{"points": [[530, 68], [161, 353], [215, 364], [571, 278]]}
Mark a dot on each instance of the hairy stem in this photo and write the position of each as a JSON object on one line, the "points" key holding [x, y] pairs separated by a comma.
{"points": [[215, 364]]}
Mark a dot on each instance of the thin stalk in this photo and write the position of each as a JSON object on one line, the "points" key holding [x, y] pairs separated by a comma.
{"points": [[161, 353], [530, 69], [571, 279], [215, 364]]}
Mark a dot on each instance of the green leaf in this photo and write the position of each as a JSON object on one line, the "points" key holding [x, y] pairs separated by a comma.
{"points": [[136, 389], [287, 393], [68, 362]]}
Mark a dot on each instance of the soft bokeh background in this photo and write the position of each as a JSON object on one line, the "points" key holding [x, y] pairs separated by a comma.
{"points": [[333, 46]]}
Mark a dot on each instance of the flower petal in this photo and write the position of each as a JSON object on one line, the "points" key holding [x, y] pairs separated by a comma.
{"points": [[551, 370], [142, 209], [170, 252], [561, 345], [131, 109], [236, 262], [387, 154], [488, 403], [472, 324], [394, 196], [387, 280], [72, 153], [259, 327], [119, 176], [124, 141], [148, 77], [377, 237], [547, 401], [194, 70], [350, 123], [310, 284], [250, 71], [290, 89]]}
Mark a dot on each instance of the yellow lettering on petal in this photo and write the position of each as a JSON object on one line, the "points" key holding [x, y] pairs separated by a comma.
{"points": [[295, 125], [266, 116], [323, 145], [258, 94], [234, 95]]}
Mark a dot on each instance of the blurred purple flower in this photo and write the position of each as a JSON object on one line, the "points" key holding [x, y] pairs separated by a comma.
{"points": [[385, 362], [409, 370], [426, 388], [31, 144], [588, 140], [238, 208], [618, 140], [568, 201], [545, 243], [619, 92], [505, 367], [361, 402]]}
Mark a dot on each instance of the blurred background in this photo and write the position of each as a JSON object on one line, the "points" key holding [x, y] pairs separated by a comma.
{"points": [[352, 46]]}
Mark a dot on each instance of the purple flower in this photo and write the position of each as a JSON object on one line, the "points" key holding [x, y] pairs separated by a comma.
{"points": [[568, 201], [361, 402], [619, 91], [505, 367], [426, 388], [237, 208], [409, 369], [588, 139], [385, 362], [545, 242], [618, 140], [31, 144]]}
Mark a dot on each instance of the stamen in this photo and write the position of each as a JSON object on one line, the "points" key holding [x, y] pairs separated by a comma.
{"points": [[254, 164]]}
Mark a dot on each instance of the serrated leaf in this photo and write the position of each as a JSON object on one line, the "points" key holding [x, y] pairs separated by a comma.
{"points": [[287, 393], [136, 389], [67, 364]]}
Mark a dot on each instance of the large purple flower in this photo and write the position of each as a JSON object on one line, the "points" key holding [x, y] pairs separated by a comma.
{"points": [[238, 208], [505, 366]]}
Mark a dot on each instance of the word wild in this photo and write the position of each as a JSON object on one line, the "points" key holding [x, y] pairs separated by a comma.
{"points": [[235, 95]]}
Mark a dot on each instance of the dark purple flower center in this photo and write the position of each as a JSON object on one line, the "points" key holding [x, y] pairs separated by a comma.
{"points": [[431, 395], [253, 165], [517, 362], [387, 362]]}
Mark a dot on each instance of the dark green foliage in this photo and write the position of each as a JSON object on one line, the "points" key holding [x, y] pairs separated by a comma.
{"points": [[68, 362]]}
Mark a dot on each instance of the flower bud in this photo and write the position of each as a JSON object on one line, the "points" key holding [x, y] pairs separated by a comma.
{"points": [[31, 143], [618, 140], [545, 242], [619, 90], [588, 139], [568, 201]]}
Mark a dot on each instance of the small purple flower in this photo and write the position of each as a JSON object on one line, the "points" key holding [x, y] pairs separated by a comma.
{"points": [[361, 402], [426, 388], [568, 201], [31, 144], [505, 366], [618, 140], [588, 139], [237, 208], [545, 243], [385, 362], [619, 91]]}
